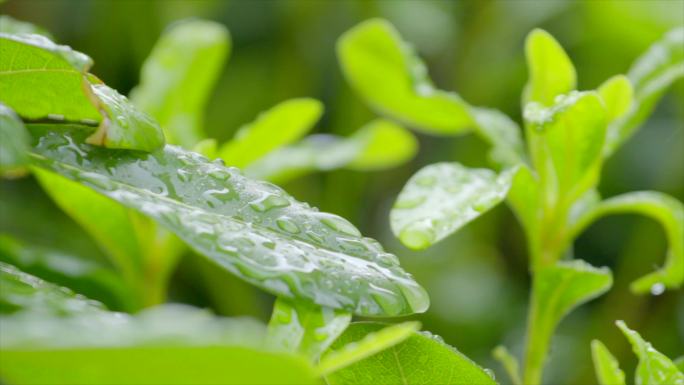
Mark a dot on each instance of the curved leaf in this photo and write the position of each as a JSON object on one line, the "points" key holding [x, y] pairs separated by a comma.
{"points": [[654, 368], [651, 74], [372, 343], [177, 78], [664, 209], [308, 329], [279, 126], [550, 69], [21, 291], [502, 133], [617, 94], [377, 145], [253, 229], [441, 198], [607, 368], [420, 359], [42, 80], [556, 290], [565, 143], [509, 362], [385, 71], [14, 141]]}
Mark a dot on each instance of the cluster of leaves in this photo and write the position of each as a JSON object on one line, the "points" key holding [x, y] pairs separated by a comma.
{"points": [[550, 182], [137, 174]]}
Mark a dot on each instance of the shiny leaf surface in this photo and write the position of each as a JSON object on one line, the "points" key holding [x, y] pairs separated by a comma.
{"points": [[14, 141], [441, 198], [654, 368], [551, 72], [253, 229]]}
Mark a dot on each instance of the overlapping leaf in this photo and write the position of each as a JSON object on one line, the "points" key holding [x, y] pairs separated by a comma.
{"points": [[252, 229], [551, 71], [607, 368], [420, 359], [441, 198], [14, 141], [41, 80], [177, 78]]}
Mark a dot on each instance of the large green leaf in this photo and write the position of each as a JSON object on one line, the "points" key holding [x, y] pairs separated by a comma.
{"points": [[377, 145], [296, 326], [565, 143], [652, 74], [607, 368], [420, 359], [385, 71], [253, 229], [42, 80], [654, 368], [177, 78], [556, 290], [441, 198], [14, 141], [62, 338], [550, 69], [662, 208], [277, 127]]}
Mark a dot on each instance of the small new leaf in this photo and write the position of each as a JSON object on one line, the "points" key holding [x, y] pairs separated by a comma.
{"points": [[441, 198], [618, 95], [551, 71], [607, 368]]}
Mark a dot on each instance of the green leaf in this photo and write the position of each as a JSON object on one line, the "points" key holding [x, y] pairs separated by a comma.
{"points": [[11, 25], [371, 343], [565, 143], [252, 229], [556, 290], [377, 145], [310, 330], [509, 362], [669, 212], [21, 291], [618, 95], [177, 78], [502, 133], [551, 71], [679, 362], [41, 80], [651, 74], [607, 368], [279, 126], [14, 141], [441, 198], [524, 197], [83, 275], [390, 77], [654, 368], [420, 359]]}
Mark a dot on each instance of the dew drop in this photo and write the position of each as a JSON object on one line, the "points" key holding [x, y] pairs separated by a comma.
{"points": [[269, 202], [418, 235], [287, 225], [426, 181], [409, 203], [339, 224], [658, 288]]}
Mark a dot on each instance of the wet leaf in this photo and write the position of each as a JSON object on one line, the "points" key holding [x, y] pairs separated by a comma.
{"points": [[607, 368], [14, 141], [669, 212], [177, 78], [651, 74], [565, 142], [299, 327], [420, 359], [41, 80], [502, 133], [551, 72], [253, 229], [377, 145], [441, 198], [9, 24], [617, 94], [279, 126], [654, 368], [388, 75]]}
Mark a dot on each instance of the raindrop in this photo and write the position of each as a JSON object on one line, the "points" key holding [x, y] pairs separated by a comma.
{"points": [[269, 202], [339, 224], [426, 181], [409, 203], [286, 224], [658, 288]]}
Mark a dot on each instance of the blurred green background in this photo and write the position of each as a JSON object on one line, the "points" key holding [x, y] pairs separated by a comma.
{"points": [[477, 279]]}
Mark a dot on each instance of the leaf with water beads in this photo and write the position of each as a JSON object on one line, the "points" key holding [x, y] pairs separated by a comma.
{"points": [[253, 229], [441, 198]]}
